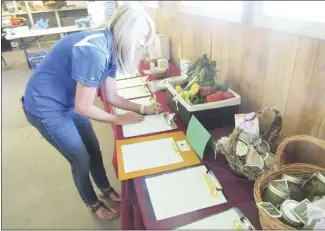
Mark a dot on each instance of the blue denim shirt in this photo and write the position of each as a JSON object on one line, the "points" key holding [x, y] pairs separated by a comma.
{"points": [[84, 57]]}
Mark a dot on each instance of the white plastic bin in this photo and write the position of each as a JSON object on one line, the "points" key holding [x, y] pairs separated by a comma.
{"points": [[211, 115]]}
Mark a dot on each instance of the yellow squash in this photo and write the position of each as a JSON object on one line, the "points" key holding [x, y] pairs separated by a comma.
{"points": [[194, 89]]}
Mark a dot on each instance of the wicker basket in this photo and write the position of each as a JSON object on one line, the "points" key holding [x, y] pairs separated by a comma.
{"points": [[279, 157], [298, 169], [271, 136]]}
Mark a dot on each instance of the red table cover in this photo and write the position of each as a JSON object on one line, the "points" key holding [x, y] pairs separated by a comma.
{"points": [[132, 193]]}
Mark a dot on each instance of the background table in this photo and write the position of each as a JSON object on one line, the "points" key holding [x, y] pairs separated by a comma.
{"points": [[133, 207], [39, 33]]}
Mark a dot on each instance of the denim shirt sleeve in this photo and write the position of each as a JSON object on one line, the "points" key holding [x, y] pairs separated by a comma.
{"points": [[88, 65]]}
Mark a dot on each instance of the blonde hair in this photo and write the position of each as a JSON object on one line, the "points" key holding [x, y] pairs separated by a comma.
{"points": [[129, 24]]}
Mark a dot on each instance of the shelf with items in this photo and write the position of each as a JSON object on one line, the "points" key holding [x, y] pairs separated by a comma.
{"points": [[43, 11], [35, 12]]}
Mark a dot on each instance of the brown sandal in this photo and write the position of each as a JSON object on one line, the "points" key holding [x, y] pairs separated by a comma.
{"points": [[94, 209], [107, 193]]}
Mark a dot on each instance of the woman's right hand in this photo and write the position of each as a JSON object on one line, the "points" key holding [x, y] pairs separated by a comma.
{"points": [[129, 118]]}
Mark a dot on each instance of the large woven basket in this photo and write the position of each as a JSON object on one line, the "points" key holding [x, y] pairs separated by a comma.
{"points": [[271, 136], [298, 169]]}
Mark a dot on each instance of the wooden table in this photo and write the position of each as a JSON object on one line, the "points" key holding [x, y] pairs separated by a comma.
{"points": [[134, 209]]}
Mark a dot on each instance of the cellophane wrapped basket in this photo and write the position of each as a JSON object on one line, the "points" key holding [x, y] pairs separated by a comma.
{"points": [[270, 135], [297, 169]]}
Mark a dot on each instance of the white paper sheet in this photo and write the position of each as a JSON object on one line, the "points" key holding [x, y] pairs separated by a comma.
{"points": [[223, 220], [125, 83], [150, 154], [143, 101], [181, 192], [150, 124], [133, 92], [126, 76]]}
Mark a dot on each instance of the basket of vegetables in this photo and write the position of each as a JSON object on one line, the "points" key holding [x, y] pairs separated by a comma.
{"points": [[202, 95]]}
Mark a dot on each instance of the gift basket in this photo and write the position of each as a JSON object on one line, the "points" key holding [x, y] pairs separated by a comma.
{"points": [[249, 150], [284, 193]]}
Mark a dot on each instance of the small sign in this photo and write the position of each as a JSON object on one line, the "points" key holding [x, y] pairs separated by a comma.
{"points": [[183, 146]]}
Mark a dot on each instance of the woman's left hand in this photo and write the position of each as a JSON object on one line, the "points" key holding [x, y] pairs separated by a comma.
{"points": [[154, 108]]}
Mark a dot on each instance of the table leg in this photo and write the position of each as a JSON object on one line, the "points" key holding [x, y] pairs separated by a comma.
{"points": [[4, 61], [24, 46], [39, 45]]}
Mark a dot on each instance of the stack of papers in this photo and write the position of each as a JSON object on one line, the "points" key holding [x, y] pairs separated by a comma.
{"points": [[134, 92], [150, 154], [183, 191], [140, 81], [150, 124], [142, 101]]}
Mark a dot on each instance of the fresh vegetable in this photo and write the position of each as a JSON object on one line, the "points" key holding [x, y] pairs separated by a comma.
{"points": [[187, 97], [188, 101], [203, 74], [227, 95], [194, 89], [193, 67], [193, 98], [197, 101], [178, 89], [217, 86], [207, 83], [203, 71], [186, 94], [190, 83], [182, 95], [224, 86], [201, 84], [218, 96], [211, 74], [205, 91]]}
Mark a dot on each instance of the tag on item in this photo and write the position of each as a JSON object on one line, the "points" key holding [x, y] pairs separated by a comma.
{"points": [[183, 146], [270, 209]]}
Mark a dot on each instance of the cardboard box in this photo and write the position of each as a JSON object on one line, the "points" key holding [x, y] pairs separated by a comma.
{"points": [[159, 49]]}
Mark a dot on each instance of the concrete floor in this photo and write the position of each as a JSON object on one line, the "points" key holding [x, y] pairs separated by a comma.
{"points": [[37, 187]]}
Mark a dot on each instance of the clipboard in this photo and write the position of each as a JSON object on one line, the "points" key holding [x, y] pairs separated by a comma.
{"points": [[132, 82], [185, 185], [231, 218], [189, 156], [150, 125], [134, 92]]}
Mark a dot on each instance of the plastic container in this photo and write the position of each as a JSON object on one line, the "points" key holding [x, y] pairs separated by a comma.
{"points": [[315, 186], [275, 194], [295, 187], [211, 115], [287, 215]]}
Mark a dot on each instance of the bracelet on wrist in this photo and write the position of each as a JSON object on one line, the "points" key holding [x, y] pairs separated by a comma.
{"points": [[142, 109]]}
